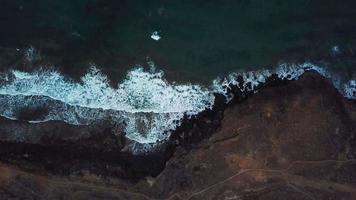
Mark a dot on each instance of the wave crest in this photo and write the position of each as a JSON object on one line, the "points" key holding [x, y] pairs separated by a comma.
{"points": [[149, 105], [286, 71]]}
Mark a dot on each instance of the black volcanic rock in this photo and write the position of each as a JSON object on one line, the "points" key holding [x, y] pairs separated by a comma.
{"points": [[291, 140], [103, 136], [65, 149]]}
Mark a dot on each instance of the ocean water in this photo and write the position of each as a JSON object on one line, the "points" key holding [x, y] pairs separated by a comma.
{"points": [[150, 63]]}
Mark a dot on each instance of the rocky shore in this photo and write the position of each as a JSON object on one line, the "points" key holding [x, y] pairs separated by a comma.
{"points": [[290, 140]]}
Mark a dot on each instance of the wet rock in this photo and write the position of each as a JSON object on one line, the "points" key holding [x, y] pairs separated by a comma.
{"points": [[64, 149]]}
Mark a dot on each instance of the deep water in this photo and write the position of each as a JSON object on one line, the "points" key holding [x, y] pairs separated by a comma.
{"points": [[150, 64], [200, 39]]}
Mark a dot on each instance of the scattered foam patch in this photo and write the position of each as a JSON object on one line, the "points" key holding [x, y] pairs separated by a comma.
{"points": [[350, 89], [155, 36]]}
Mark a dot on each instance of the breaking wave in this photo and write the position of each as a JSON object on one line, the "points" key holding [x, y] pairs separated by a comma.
{"points": [[148, 105], [286, 71]]}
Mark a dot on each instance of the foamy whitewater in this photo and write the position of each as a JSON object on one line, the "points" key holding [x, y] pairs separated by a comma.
{"points": [[286, 71], [148, 105]]}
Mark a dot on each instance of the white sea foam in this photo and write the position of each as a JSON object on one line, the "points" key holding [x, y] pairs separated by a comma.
{"points": [[350, 89], [155, 36], [296, 70], [250, 81], [148, 104], [286, 71]]}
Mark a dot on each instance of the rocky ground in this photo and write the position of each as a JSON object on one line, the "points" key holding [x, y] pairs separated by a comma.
{"points": [[291, 140]]}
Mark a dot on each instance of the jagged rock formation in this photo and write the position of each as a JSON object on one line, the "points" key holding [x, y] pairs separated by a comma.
{"points": [[294, 140]]}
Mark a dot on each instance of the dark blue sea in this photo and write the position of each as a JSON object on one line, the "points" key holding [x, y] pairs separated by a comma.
{"points": [[151, 62]]}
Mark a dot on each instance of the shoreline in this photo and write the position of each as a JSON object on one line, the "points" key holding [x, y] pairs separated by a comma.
{"points": [[186, 134], [90, 149]]}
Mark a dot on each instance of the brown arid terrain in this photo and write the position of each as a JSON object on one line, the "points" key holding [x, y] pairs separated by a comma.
{"points": [[291, 140]]}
